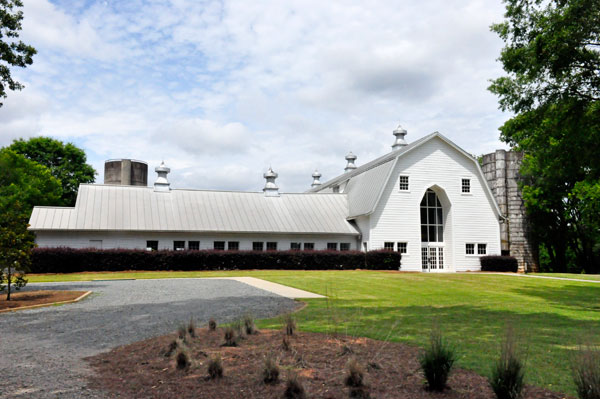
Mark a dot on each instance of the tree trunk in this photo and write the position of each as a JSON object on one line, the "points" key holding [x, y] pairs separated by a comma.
{"points": [[8, 281]]}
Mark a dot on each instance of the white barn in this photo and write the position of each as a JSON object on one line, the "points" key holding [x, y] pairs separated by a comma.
{"points": [[428, 199]]}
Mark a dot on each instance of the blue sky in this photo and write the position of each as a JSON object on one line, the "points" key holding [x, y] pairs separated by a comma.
{"points": [[221, 90]]}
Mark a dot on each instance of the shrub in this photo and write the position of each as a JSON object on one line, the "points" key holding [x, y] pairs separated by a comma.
{"points": [[586, 372], [270, 371], [215, 367], [382, 260], [69, 260], [230, 338], [182, 360], [496, 263], [437, 361], [293, 387], [191, 328], [508, 373], [212, 325], [355, 374]]}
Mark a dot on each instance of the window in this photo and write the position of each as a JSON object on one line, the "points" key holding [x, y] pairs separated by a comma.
{"points": [[332, 246], [295, 246], [219, 245], [336, 189], [403, 186], [153, 245], [178, 245], [194, 245], [345, 246], [432, 218], [258, 246], [481, 249], [402, 246], [309, 246], [272, 246], [233, 245], [470, 249], [466, 186], [388, 246]]}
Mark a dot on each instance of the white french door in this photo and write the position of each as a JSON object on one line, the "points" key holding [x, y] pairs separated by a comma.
{"points": [[432, 257]]}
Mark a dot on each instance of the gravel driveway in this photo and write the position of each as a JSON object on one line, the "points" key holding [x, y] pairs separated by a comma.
{"points": [[41, 350]]}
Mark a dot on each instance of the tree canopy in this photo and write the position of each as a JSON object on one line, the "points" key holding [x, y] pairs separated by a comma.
{"points": [[13, 52], [66, 162], [552, 61], [23, 184]]}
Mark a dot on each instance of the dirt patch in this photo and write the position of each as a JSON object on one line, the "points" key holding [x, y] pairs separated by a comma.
{"points": [[145, 369], [34, 298]]}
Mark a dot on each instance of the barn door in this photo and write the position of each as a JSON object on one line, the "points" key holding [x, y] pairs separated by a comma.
{"points": [[432, 258]]}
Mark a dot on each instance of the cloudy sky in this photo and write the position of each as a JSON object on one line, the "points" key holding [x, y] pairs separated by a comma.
{"points": [[222, 89]]}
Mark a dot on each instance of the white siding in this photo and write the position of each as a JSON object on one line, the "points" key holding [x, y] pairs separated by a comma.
{"points": [[137, 240], [467, 218]]}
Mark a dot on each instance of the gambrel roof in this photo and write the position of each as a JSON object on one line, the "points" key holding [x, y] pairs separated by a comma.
{"points": [[132, 208], [365, 184]]}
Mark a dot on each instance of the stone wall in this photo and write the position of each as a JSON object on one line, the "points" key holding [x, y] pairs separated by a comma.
{"points": [[501, 170]]}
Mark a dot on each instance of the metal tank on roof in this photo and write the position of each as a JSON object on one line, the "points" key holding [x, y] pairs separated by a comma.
{"points": [[126, 172]]}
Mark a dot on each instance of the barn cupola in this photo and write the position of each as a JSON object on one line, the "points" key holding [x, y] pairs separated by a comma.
{"points": [[271, 189], [350, 158], [162, 184], [400, 142], [316, 179]]}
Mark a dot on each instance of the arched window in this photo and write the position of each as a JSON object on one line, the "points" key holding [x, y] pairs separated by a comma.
{"points": [[432, 220]]}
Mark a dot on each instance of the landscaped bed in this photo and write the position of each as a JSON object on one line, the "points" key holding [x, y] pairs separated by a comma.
{"points": [[473, 309], [147, 369], [37, 298]]}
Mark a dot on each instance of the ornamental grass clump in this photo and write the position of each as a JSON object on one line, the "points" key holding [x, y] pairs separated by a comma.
{"points": [[586, 372], [437, 361], [183, 360], [249, 325], [286, 344], [230, 337], [293, 387], [212, 325], [173, 346], [290, 324], [509, 371], [355, 374], [191, 328], [182, 332], [215, 367], [270, 371]]}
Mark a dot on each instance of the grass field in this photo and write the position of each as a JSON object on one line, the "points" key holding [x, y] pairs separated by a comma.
{"points": [[472, 309]]}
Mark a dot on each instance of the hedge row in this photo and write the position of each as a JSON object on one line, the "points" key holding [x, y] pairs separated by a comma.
{"points": [[68, 260], [496, 263]]}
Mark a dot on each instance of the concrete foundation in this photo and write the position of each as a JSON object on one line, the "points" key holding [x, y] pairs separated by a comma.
{"points": [[501, 170]]}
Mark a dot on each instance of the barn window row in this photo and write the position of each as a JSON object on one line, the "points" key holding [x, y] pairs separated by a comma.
{"points": [[180, 245]]}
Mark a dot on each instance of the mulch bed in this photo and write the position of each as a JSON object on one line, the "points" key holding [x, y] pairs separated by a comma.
{"points": [[145, 370], [30, 298]]}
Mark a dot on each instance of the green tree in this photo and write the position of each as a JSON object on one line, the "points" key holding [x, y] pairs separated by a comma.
{"points": [[12, 52], [66, 162], [23, 184], [552, 61]]}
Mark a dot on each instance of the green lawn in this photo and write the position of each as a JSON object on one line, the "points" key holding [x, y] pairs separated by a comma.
{"points": [[595, 277], [552, 315]]}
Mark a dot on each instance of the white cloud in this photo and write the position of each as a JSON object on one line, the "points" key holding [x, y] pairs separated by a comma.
{"points": [[222, 90]]}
